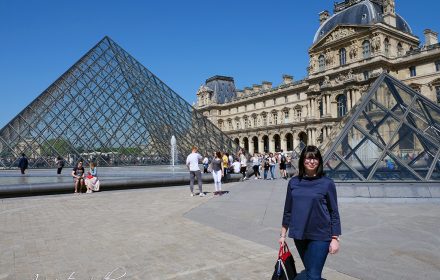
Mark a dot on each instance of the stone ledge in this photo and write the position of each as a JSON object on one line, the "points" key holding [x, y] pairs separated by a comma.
{"points": [[106, 185]]}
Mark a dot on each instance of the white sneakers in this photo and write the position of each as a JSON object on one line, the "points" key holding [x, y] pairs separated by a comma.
{"points": [[200, 194]]}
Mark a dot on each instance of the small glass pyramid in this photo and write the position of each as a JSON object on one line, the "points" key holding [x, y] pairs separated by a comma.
{"points": [[392, 134]]}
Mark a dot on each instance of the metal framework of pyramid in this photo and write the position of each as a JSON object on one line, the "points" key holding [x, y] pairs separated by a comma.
{"points": [[393, 133], [111, 109]]}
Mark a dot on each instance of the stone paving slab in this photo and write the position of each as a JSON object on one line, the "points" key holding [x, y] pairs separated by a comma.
{"points": [[386, 238], [163, 233], [131, 234]]}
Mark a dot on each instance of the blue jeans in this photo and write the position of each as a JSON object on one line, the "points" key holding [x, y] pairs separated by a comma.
{"points": [[272, 168], [313, 254]]}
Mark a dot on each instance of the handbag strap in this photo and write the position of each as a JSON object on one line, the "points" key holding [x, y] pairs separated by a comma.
{"points": [[283, 249]]}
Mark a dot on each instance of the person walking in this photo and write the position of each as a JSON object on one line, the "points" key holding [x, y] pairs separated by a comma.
{"points": [[243, 164], [283, 163], [23, 163], [192, 162], [256, 166], [311, 215], [217, 172], [60, 165]]}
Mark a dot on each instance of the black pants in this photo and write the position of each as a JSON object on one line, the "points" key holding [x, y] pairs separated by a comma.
{"points": [[59, 170], [243, 171]]}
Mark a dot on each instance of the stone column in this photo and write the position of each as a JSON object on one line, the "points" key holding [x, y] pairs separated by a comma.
{"points": [[260, 144], [251, 146], [348, 100], [324, 105], [271, 144], [329, 111], [283, 142]]}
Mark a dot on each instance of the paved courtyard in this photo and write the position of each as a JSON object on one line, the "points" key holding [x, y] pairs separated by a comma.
{"points": [[163, 233]]}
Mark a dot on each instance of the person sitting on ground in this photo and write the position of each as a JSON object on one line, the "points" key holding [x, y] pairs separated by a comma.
{"points": [[236, 166], [78, 176], [92, 181]]}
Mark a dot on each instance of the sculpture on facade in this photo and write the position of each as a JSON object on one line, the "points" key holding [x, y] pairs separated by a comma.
{"points": [[375, 43], [353, 49], [389, 6], [329, 57]]}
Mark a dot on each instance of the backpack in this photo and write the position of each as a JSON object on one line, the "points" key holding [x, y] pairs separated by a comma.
{"points": [[266, 163], [283, 159]]}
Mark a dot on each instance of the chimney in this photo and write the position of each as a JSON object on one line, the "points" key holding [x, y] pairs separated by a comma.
{"points": [[240, 93], [287, 79], [247, 90], [266, 85], [323, 16], [431, 37], [256, 88]]}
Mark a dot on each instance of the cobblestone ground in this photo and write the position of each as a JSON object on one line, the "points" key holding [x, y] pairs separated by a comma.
{"points": [[131, 234]]}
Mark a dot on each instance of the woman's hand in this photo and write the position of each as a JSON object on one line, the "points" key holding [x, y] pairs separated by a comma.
{"points": [[334, 246], [282, 240]]}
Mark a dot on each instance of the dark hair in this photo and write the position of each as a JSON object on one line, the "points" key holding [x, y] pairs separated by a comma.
{"points": [[310, 152], [218, 154]]}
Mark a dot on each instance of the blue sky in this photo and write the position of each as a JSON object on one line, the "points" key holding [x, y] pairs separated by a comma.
{"points": [[182, 42]]}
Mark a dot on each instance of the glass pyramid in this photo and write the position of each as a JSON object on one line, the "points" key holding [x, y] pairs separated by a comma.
{"points": [[111, 109], [393, 133]]}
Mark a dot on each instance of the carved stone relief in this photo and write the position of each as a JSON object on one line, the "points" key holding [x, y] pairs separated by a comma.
{"points": [[339, 33], [353, 49]]}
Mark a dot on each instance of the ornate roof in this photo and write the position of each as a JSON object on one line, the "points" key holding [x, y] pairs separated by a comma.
{"points": [[365, 12]]}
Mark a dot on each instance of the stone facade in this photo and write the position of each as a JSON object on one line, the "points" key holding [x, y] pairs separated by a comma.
{"points": [[343, 64]]}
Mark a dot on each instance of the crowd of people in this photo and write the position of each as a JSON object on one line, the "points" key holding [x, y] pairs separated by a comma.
{"points": [[260, 163], [221, 164]]}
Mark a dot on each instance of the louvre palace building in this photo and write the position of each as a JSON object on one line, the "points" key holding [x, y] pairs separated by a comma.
{"points": [[350, 50]]}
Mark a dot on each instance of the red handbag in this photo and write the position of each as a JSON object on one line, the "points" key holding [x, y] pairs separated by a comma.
{"points": [[285, 266]]}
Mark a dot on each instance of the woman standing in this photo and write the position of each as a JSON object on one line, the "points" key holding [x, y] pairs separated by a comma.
{"points": [[311, 213], [217, 172]]}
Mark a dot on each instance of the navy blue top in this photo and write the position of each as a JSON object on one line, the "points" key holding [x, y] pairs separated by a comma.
{"points": [[311, 209]]}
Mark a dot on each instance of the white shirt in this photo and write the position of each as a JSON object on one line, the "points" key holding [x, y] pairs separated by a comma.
{"points": [[193, 161], [243, 160], [236, 166]]}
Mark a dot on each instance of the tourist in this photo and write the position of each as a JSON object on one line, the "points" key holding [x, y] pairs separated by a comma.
{"points": [[272, 164], [78, 176], [217, 172], [266, 165], [236, 166], [243, 164], [60, 165], [92, 181], [226, 166], [283, 162], [311, 213], [205, 164], [256, 166], [23, 163], [192, 162]]}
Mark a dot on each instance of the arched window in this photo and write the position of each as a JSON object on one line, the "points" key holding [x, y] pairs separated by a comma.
{"points": [[342, 105], [366, 49], [342, 57], [321, 61], [386, 43]]}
